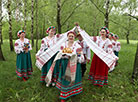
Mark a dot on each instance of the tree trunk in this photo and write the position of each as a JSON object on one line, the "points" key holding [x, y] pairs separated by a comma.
{"points": [[68, 26], [25, 11], [135, 68], [107, 13], [129, 26], [1, 54], [97, 32], [36, 26], [10, 26], [1, 40], [32, 25], [127, 38], [58, 16], [44, 27], [17, 11], [94, 25], [128, 31]]}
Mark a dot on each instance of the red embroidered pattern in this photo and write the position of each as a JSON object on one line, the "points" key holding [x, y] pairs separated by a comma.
{"points": [[94, 39], [109, 46], [16, 44], [79, 50], [58, 35], [118, 44], [61, 47], [113, 44], [42, 42]]}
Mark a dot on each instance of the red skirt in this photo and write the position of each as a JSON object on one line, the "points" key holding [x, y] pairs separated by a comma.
{"points": [[98, 72]]}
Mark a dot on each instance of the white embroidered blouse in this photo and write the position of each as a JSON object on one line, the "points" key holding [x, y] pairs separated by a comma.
{"points": [[85, 48], [76, 48], [117, 46], [19, 45], [46, 43], [106, 44]]}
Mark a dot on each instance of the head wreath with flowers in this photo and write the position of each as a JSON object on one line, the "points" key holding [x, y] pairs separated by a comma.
{"points": [[116, 36], [111, 34], [20, 32], [72, 33], [106, 29], [48, 29]]}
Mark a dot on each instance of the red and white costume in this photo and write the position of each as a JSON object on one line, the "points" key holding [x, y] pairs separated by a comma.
{"points": [[99, 70]]}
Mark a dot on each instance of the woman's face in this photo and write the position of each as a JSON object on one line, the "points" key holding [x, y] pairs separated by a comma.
{"points": [[52, 32], [114, 38], [80, 38], [103, 32], [110, 37], [71, 37], [22, 35]]}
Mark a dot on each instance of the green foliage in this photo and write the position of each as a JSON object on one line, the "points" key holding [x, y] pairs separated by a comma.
{"points": [[88, 16], [119, 89]]}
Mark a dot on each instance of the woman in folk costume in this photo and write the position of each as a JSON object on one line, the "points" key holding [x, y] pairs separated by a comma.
{"points": [[86, 53], [111, 37], [23, 61], [69, 58], [117, 47], [46, 43], [99, 70]]}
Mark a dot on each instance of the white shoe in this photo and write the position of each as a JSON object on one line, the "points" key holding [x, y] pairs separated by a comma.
{"points": [[53, 84], [110, 71], [47, 85]]}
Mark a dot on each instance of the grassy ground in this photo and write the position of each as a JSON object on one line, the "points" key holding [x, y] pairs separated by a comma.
{"points": [[119, 89]]}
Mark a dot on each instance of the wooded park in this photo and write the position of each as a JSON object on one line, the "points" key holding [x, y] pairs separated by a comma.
{"points": [[35, 17]]}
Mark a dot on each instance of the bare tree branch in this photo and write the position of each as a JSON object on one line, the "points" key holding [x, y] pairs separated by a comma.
{"points": [[43, 6], [118, 24], [1, 18], [97, 7], [110, 10], [132, 16], [72, 13], [63, 3]]}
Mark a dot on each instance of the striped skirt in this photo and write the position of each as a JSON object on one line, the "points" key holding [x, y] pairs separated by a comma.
{"points": [[24, 65], [98, 74], [66, 89]]}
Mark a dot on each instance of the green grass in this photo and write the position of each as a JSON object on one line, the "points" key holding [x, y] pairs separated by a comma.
{"points": [[120, 88]]}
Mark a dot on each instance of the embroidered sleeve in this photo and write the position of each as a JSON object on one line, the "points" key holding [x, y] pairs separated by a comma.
{"points": [[113, 43], [118, 46], [42, 48], [109, 48], [94, 38], [80, 54], [59, 36], [61, 48], [18, 49]]}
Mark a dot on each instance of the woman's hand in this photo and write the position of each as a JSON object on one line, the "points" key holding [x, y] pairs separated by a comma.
{"points": [[88, 61], [36, 57], [26, 51]]}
